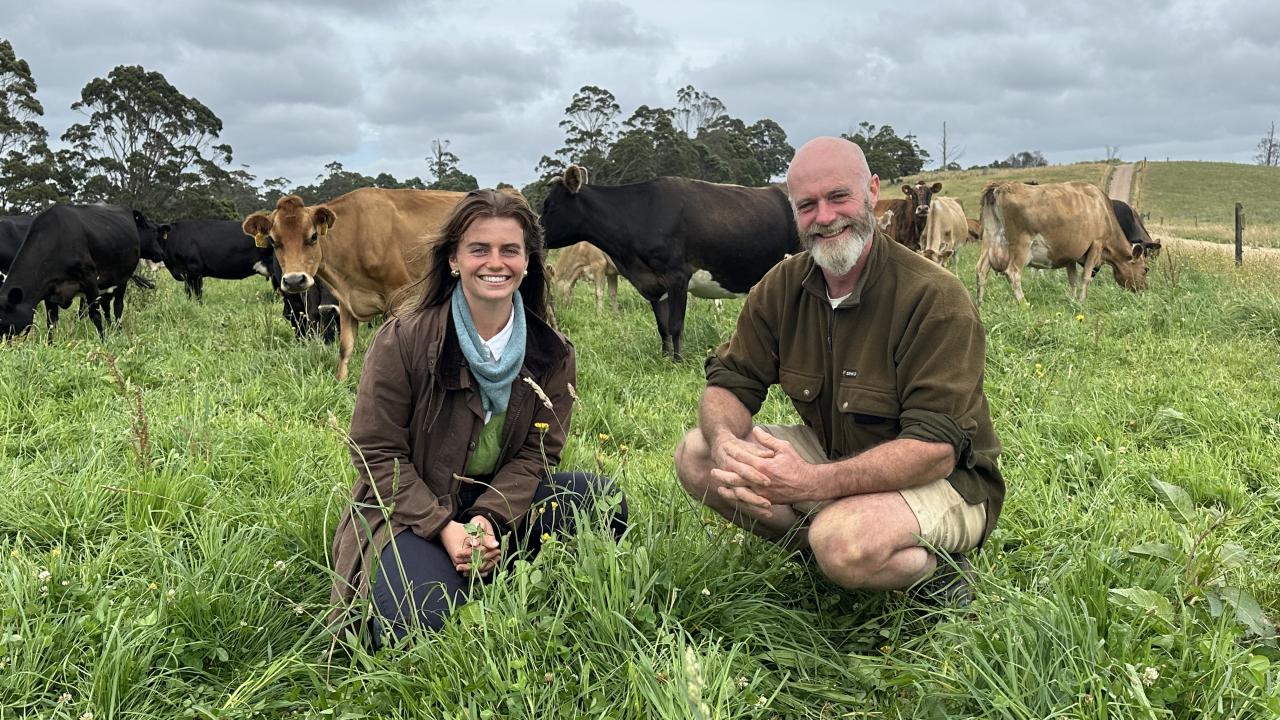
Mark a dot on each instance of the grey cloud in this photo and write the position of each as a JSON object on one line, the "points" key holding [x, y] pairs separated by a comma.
{"points": [[611, 25]]}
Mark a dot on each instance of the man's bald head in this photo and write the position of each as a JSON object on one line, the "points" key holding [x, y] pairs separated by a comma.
{"points": [[829, 155]]}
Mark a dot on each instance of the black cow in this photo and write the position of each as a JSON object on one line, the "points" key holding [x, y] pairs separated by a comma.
{"points": [[313, 311], [71, 250], [1134, 230], [13, 230], [673, 236], [197, 249]]}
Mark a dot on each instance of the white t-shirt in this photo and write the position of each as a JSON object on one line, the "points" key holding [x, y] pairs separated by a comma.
{"points": [[835, 302]]}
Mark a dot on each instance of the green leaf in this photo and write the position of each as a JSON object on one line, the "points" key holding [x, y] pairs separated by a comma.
{"points": [[1144, 601], [1249, 613], [1163, 551], [1175, 500], [1232, 556]]}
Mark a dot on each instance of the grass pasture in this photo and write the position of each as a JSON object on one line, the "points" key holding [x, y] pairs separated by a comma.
{"points": [[967, 185], [1197, 200], [167, 502]]}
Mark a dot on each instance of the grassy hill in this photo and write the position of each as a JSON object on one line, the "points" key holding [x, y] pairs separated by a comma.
{"points": [[967, 185], [1197, 200], [167, 501]]}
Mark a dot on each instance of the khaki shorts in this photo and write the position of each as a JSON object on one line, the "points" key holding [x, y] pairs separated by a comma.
{"points": [[947, 522]]}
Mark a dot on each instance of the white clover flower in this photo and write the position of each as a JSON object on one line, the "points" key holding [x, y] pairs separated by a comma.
{"points": [[739, 539], [743, 682], [171, 593], [64, 698], [706, 592], [762, 701], [87, 716], [44, 576], [299, 610], [279, 566], [1150, 675]]}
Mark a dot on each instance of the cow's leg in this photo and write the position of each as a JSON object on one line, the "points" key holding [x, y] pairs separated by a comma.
{"points": [[95, 314], [599, 283], [1072, 281], [347, 325], [678, 301], [661, 316], [118, 301], [1014, 274], [1092, 259], [51, 317], [984, 268], [613, 291]]}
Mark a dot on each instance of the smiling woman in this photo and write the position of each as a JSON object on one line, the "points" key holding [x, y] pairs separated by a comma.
{"points": [[462, 411]]}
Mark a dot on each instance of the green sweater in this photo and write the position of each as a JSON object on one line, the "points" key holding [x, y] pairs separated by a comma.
{"points": [[901, 357]]}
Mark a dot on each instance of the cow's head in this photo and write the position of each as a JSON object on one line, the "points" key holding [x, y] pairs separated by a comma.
{"points": [[295, 232], [1130, 268], [17, 310], [921, 195], [148, 238], [562, 217]]}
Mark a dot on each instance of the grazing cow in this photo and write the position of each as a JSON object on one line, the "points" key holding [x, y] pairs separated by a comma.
{"points": [[366, 246], [674, 236], [13, 230], [975, 229], [1133, 229], [1051, 226], [314, 312], [906, 223], [71, 250], [944, 230], [199, 249], [585, 260]]}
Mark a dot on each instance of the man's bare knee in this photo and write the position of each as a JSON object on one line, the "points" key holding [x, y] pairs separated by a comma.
{"points": [[844, 554], [693, 464]]}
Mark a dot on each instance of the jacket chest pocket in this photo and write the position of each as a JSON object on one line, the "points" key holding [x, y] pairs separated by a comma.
{"points": [[869, 415], [803, 389]]}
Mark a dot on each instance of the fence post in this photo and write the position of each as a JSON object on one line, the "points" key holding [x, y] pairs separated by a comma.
{"points": [[1239, 234]]}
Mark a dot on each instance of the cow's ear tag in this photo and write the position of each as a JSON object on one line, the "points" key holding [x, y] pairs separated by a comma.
{"points": [[324, 228], [260, 239]]}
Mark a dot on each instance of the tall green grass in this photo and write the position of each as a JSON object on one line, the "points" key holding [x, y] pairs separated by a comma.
{"points": [[171, 562]]}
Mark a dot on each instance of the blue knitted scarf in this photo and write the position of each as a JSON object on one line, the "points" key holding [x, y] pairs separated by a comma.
{"points": [[493, 376]]}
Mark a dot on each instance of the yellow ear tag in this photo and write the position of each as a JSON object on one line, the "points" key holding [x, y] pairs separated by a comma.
{"points": [[324, 228], [260, 239]]}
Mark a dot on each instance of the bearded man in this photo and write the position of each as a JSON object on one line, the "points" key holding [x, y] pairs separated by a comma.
{"points": [[892, 478]]}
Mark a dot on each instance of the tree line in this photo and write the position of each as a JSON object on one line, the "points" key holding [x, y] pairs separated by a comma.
{"points": [[145, 144]]}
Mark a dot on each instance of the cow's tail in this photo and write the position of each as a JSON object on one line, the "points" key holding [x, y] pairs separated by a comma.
{"points": [[993, 240], [142, 282]]}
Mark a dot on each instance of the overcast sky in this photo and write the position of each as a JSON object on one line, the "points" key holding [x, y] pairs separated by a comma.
{"points": [[298, 84]]}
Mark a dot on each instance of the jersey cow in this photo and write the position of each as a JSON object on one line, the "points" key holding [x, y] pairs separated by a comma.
{"points": [[199, 249], [674, 236], [904, 220], [90, 251], [585, 260], [365, 245], [944, 230], [1052, 226]]}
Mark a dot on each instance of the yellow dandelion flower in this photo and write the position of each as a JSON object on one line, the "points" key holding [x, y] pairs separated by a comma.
{"points": [[541, 510], [604, 437], [541, 426], [623, 448], [152, 586], [554, 504], [546, 537], [56, 551], [1080, 317]]}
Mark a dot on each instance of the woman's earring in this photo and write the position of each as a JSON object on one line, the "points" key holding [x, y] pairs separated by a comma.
{"points": [[455, 272], [526, 272]]}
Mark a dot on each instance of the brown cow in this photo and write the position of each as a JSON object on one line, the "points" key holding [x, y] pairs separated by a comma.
{"points": [[585, 260], [944, 230], [1052, 226], [365, 246], [906, 224], [975, 229]]}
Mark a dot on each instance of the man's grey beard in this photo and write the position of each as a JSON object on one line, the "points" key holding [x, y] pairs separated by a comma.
{"points": [[838, 256]]}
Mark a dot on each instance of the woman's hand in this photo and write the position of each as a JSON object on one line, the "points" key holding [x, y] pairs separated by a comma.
{"points": [[462, 545]]}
